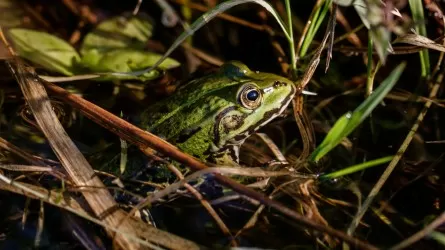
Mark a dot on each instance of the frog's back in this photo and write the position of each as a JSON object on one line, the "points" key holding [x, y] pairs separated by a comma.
{"points": [[186, 107]]}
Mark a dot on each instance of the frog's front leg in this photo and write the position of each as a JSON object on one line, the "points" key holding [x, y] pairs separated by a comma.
{"points": [[227, 156]]}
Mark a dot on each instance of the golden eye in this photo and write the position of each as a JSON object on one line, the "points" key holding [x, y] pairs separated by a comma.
{"points": [[250, 96]]}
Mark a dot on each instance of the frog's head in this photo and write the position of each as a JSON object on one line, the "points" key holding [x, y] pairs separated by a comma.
{"points": [[257, 97]]}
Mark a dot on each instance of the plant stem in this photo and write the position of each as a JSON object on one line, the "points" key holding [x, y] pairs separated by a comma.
{"points": [[291, 41]]}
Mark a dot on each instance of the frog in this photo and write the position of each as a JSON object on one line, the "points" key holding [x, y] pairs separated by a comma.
{"points": [[210, 117]]}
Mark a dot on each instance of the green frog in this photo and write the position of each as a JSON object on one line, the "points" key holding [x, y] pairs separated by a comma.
{"points": [[212, 116]]}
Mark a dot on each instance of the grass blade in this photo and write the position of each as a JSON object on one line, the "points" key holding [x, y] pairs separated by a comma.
{"points": [[439, 237], [349, 121], [356, 168], [416, 7], [319, 16], [291, 39]]}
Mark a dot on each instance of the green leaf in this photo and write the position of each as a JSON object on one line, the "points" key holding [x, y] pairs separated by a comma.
{"points": [[356, 168], [348, 122], [119, 32], [125, 60], [48, 51]]}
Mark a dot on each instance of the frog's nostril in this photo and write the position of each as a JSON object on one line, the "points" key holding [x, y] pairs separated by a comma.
{"points": [[279, 84]]}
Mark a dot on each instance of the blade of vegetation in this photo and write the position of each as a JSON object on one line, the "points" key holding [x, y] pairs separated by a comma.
{"points": [[319, 17], [348, 122], [46, 50], [439, 237], [204, 19], [416, 7], [356, 168], [291, 39]]}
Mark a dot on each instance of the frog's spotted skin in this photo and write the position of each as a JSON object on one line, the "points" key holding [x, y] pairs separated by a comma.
{"points": [[210, 117]]}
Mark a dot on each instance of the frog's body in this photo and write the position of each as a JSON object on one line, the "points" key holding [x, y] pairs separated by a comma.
{"points": [[210, 117]]}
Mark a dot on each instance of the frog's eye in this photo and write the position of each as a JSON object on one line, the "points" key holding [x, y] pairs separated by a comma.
{"points": [[250, 96]]}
